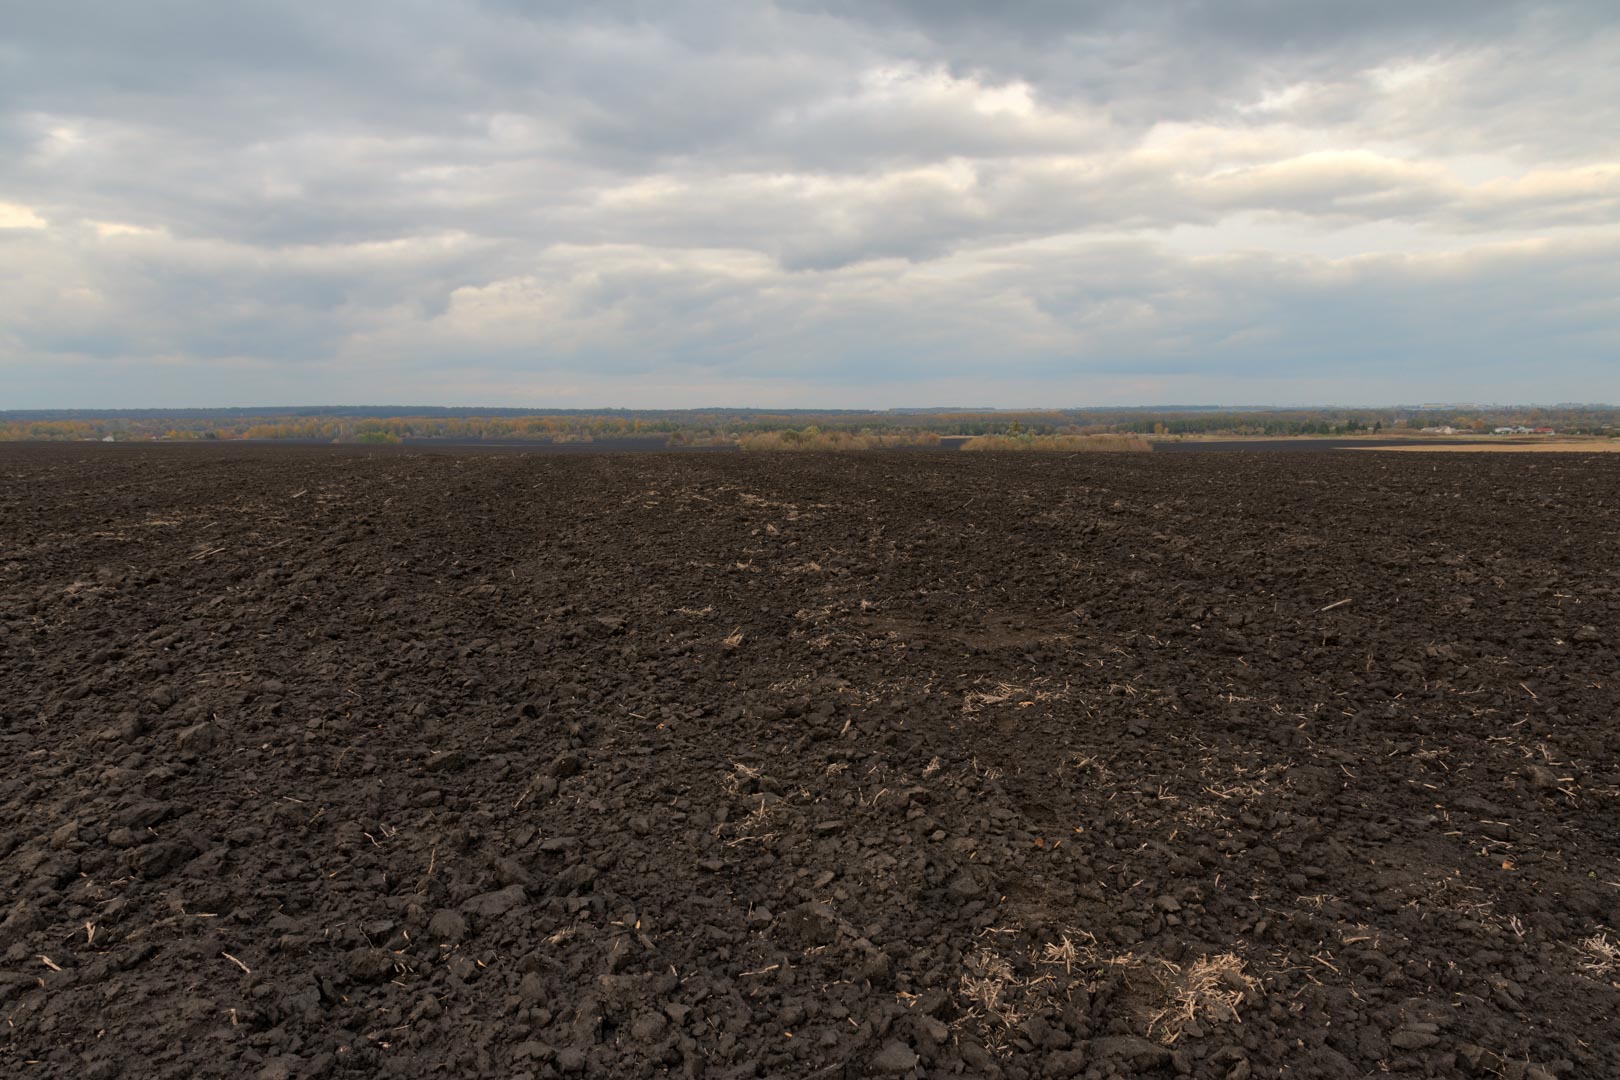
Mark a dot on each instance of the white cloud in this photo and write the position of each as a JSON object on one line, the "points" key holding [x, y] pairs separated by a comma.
{"points": [[809, 198], [13, 216], [107, 230]]}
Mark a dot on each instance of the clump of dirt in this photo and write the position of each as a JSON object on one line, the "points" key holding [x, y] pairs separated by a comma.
{"points": [[327, 762]]}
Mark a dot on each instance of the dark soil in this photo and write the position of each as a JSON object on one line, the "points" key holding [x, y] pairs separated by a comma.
{"points": [[328, 762]]}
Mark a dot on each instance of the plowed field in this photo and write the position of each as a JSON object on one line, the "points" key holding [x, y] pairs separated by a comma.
{"points": [[321, 762]]}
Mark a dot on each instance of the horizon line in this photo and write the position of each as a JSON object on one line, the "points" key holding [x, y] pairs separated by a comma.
{"points": [[1162, 406]]}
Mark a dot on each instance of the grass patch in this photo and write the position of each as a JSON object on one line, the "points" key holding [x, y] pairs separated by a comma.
{"points": [[812, 438], [1506, 446], [1061, 443]]}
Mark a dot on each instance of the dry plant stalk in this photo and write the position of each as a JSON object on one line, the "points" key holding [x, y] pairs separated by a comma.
{"points": [[1602, 958], [738, 774], [986, 987], [1209, 991], [1170, 997], [975, 700]]}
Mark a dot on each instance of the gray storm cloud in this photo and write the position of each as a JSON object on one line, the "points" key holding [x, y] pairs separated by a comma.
{"points": [[814, 203]]}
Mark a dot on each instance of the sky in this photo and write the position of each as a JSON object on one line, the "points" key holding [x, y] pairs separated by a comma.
{"points": [[818, 203]]}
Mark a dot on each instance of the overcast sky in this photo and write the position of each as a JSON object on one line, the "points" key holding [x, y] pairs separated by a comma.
{"points": [[808, 202]]}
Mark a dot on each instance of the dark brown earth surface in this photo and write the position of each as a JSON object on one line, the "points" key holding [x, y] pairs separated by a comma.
{"points": [[326, 762]]}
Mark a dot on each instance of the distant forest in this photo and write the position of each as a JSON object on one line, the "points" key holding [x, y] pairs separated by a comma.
{"points": [[712, 427]]}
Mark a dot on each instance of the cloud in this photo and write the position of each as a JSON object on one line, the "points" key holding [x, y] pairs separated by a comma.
{"points": [[13, 216], [824, 199]]}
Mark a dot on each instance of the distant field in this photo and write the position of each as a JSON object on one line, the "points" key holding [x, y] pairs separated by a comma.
{"points": [[1508, 446], [1169, 428]]}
